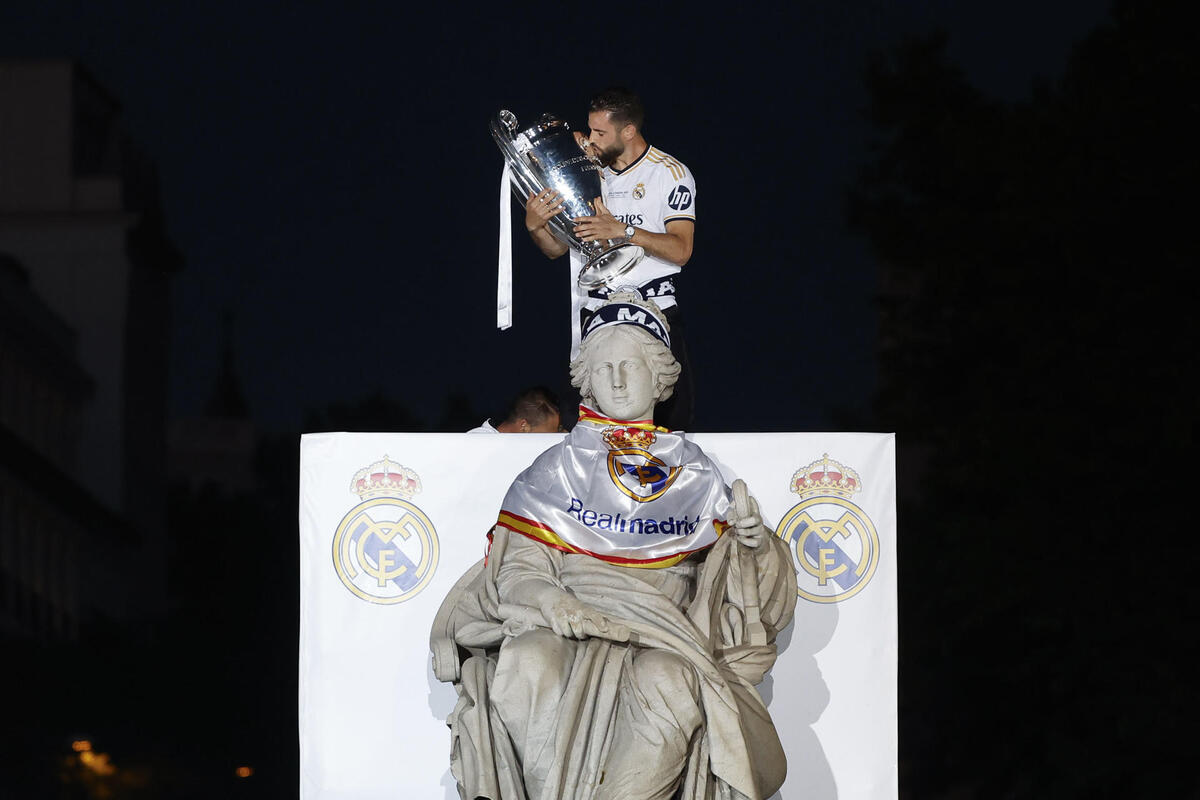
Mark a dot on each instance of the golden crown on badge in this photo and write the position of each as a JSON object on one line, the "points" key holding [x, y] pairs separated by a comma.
{"points": [[826, 477], [385, 478], [621, 438]]}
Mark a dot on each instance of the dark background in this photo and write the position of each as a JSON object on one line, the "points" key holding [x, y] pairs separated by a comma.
{"points": [[969, 223]]}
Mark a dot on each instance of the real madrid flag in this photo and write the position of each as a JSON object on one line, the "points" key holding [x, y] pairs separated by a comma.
{"points": [[625, 492]]}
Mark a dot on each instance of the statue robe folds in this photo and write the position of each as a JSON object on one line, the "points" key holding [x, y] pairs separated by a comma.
{"points": [[662, 701]]}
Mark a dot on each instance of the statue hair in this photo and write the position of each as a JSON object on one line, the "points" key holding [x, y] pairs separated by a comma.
{"points": [[658, 356]]}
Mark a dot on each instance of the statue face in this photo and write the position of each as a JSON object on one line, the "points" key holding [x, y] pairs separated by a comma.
{"points": [[623, 385]]}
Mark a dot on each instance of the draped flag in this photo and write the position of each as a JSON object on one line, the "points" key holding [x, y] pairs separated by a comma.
{"points": [[624, 492]]}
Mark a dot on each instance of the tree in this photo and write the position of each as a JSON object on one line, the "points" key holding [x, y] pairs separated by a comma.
{"points": [[1035, 325]]}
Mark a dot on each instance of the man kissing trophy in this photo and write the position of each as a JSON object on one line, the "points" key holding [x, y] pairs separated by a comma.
{"points": [[549, 156], [609, 645]]}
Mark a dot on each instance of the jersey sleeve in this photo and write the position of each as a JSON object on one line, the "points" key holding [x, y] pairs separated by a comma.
{"points": [[677, 193]]}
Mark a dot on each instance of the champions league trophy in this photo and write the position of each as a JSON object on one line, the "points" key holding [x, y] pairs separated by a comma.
{"points": [[547, 156]]}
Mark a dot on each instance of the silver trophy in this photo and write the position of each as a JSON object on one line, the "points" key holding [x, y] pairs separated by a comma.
{"points": [[546, 156]]}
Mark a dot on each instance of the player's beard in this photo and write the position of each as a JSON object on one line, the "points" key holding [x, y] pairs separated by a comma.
{"points": [[609, 155]]}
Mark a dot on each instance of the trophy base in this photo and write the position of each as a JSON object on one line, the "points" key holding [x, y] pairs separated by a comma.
{"points": [[609, 265]]}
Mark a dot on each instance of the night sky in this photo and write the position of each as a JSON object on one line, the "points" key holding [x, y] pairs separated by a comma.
{"points": [[328, 176]]}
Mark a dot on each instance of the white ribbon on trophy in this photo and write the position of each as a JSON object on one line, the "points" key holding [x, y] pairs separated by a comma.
{"points": [[504, 268]]}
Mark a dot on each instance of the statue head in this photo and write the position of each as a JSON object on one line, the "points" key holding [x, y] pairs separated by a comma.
{"points": [[625, 366]]}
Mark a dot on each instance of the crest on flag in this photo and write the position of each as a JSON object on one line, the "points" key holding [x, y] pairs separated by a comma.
{"points": [[834, 541], [386, 549], [632, 468], [591, 495]]}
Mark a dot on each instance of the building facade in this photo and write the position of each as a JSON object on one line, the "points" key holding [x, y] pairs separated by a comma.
{"points": [[85, 267]]}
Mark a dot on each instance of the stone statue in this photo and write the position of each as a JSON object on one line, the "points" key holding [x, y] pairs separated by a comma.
{"points": [[609, 645]]}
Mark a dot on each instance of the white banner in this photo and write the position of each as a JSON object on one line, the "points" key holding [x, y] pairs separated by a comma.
{"points": [[389, 522]]}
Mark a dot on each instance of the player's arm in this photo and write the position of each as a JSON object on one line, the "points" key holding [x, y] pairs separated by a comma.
{"points": [[674, 246], [539, 208]]}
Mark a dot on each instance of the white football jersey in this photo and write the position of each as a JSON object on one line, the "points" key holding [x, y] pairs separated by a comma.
{"points": [[649, 193]]}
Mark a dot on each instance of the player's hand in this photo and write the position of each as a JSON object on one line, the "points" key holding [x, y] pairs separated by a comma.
{"points": [[745, 518], [540, 207], [603, 225]]}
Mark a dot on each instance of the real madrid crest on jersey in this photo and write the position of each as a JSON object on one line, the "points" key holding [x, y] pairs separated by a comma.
{"points": [[385, 549], [834, 541], [633, 470]]}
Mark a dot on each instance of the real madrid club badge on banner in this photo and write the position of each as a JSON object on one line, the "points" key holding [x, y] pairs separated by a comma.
{"points": [[835, 542], [385, 549]]}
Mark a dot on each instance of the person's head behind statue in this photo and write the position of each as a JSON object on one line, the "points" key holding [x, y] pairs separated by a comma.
{"points": [[534, 410], [625, 366]]}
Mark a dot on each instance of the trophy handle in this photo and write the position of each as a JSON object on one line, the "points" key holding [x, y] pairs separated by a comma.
{"points": [[503, 127]]}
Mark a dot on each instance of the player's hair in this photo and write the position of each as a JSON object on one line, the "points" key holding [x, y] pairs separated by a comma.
{"points": [[624, 107], [662, 362], [534, 405]]}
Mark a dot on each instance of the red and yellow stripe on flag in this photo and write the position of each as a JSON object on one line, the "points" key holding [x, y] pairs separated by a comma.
{"points": [[547, 536]]}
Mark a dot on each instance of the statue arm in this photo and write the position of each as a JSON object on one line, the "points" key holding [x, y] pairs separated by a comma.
{"points": [[747, 590], [776, 583], [528, 569], [766, 588], [528, 577]]}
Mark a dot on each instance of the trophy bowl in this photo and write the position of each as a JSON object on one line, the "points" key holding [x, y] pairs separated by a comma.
{"points": [[546, 156]]}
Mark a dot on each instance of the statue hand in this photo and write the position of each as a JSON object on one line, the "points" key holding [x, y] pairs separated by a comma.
{"points": [[573, 619], [745, 519]]}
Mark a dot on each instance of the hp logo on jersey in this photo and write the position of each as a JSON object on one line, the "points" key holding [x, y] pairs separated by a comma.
{"points": [[680, 198]]}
